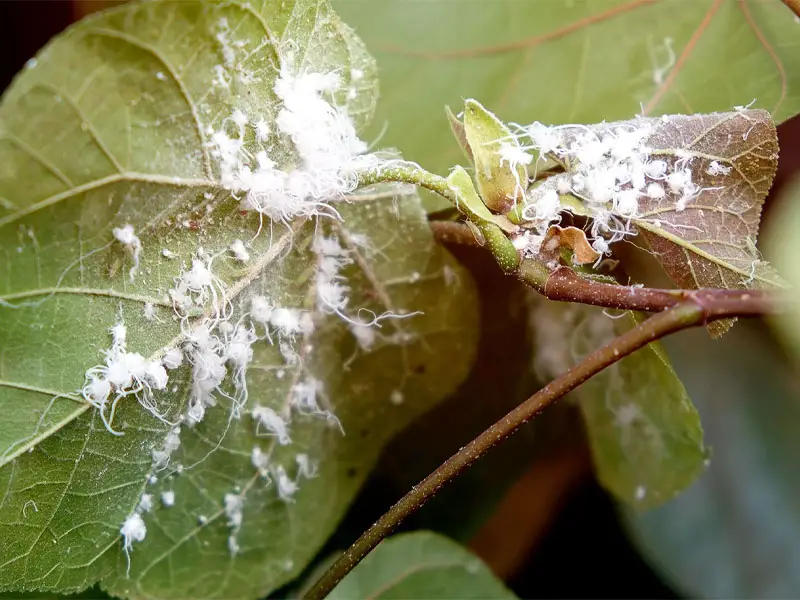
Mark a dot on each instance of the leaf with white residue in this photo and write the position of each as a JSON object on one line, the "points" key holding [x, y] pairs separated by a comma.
{"points": [[710, 240], [692, 185], [118, 123], [644, 431]]}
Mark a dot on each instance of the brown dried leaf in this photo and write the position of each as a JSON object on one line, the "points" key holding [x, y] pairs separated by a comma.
{"points": [[568, 237], [712, 241]]}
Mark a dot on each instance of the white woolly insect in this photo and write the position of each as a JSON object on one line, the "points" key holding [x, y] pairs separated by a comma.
{"points": [[132, 530], [288, 322], [207, 357], [171, 443], [515, 156], [126, 236], [331, 289], [145, 503], [305, 397], [238, 353], [656, 191], [172, 359], [365, 335], [260, 461], [149, 311], [234, 505], [286, 487], [195, 287], [304, 466], [325, 141], [124, 374], [543, 208], [716, 168], [274, 424], [260, 310], [655, 169], [238, 249]]}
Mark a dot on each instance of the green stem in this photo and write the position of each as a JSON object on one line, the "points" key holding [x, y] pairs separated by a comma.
{"points": [[407, 172], [683, 316]]}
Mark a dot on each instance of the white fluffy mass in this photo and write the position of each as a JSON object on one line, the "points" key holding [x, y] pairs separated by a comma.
{"points": [[325, 141], [123, 374], [612, 169]]}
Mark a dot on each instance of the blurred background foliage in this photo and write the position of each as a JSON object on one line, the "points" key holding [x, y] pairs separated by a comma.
{"points": [[532, 509]]}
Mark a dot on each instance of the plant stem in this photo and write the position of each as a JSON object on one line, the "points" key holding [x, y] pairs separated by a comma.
{"points": [[407, 172], [794, 5], [688, 313], [565, 285]]}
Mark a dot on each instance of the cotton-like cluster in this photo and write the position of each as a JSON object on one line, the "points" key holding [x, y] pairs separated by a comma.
{"points": [[197, 287], [612, 169], [331, 288], [124, 374], [324, 140], [285, 322]]}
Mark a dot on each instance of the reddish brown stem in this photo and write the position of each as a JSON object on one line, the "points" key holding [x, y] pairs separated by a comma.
{"points": [[685, 314], [565, 285], [794, 6]]}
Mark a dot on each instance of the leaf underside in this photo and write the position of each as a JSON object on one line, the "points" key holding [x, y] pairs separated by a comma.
{"points": [[108, 127], [712, 241]]}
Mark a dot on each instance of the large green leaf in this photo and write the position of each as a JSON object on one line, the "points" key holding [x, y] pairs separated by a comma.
{"points": [[109, 127], [644, 432], [736, 532], [564, 61], [422, 564]]}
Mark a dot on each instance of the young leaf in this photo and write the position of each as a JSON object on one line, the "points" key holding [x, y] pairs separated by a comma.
{"points": [[110, 127], [421, 564], [564, 62], [459, 132], [500, 163], [488, 225], [645, 434]]}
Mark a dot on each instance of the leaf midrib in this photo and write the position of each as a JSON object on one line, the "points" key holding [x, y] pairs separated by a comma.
{"points": [[127, 177]]}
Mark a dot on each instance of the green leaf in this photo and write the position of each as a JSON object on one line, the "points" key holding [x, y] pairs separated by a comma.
{"points": [[501, 180], [421, 564], [783, 248], [736, 532], [571, 62], [109, 127], [644, 432]]}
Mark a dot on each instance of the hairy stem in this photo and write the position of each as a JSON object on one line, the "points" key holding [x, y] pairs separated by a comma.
{"points": [[690, 312], [407, 172]]}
